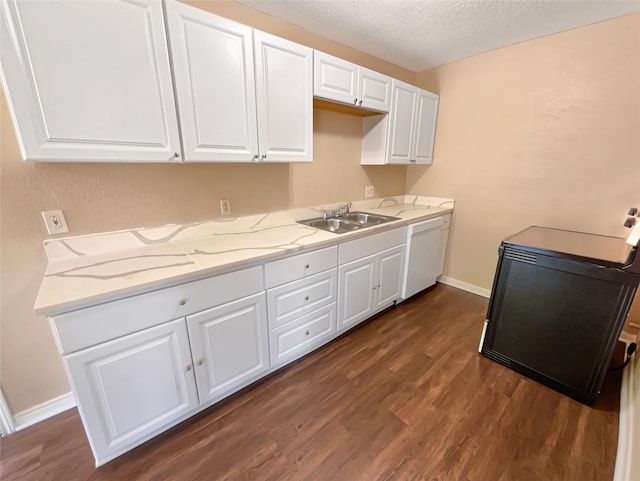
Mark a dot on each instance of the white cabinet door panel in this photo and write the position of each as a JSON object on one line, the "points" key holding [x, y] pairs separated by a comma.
{"points": [[425, 128], [402, 123], [215, 85], [133, 386], [334, 78], [356, 294], [284, 79], [81, 89], [229, 344], [374, 90], [390, 276]]}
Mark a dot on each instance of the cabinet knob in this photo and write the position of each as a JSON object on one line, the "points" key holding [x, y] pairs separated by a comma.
{"points": [[306, 333], [355, 101], [187, 367], [360, 103], [306, 298], [306, 266], [374, 288], [183, 302], [200, 362], [176, 155], [264, 157], [255, 157]]}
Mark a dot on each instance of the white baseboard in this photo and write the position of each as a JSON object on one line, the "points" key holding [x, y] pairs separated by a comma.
{"points": [[628, 440], [465, 286], [43, 411]]}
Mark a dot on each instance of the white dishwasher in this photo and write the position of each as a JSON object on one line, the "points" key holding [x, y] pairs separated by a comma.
{"points": [[425, 253]]}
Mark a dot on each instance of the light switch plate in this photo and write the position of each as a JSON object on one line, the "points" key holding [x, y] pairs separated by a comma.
{"points": [[55, 222]]}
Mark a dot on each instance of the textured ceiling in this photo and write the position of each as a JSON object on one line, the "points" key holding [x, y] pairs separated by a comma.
{"points": [[420, 34]]}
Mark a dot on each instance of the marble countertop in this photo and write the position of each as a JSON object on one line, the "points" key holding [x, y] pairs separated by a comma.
{"points": [[87, 270]]}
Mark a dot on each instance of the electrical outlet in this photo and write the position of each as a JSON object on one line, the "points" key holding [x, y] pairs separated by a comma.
{"points": [[225, 206], [55, 222], [368, 191]]}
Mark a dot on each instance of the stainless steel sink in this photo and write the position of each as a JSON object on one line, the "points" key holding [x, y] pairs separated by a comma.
{"points": [[338, 226], [348, 222], [365, 219]]}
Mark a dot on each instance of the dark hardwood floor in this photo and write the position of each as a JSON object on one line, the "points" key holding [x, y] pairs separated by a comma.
{"points": [[404, 397]]}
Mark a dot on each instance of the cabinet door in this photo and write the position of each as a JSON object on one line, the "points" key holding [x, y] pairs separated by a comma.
{"points": [[425, 127], [401, 125], [356, 294], [89, 81], [284, 91], [229, 344], [374, 90], [215, 85], [389, 276], [335, 79], [132, 387]]}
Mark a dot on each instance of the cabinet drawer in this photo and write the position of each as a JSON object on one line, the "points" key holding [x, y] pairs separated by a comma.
{"points": [[300, 266], [302, 336], [293, 300], [359, 248], [87, 327]]}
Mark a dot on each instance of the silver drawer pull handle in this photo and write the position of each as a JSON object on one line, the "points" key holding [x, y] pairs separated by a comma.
{"points": [[183, 302]]}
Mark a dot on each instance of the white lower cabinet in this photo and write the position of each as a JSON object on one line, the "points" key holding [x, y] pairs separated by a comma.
{"points": [[357, 283], [229, 345], [370, 276], [133, 387]]}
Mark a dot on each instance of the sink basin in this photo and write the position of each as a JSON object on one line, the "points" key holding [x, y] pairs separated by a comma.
{"points": [[366, 219], [337, 226], [348, 223]]}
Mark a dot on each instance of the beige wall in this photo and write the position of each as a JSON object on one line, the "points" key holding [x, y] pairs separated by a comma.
{"points": [[104, 197], [545, 132]]}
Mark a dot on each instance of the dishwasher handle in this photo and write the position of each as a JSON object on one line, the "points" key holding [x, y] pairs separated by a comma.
{"points": [[426, 225]]}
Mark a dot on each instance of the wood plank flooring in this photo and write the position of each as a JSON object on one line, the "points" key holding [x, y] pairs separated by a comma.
{"points": [[404, 397]]}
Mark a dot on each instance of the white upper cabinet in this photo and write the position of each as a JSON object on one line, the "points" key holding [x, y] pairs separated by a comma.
{"points": [[402, 123], [412, 125], [243, 95], [341, 81], [89, 81], [425, 127], [284, 94], [215, 85], [407, 134]]}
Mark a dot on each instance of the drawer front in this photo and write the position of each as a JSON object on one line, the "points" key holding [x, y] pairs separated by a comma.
{"points": [[290, 301], [302, 336], [300, 266], [87, 327], [359, 248]]}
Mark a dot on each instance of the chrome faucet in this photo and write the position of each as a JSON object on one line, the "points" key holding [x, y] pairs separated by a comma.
{"points": [[341, 211]]}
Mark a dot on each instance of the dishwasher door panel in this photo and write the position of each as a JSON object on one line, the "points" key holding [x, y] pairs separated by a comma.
{"points": [[423, 256]]}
